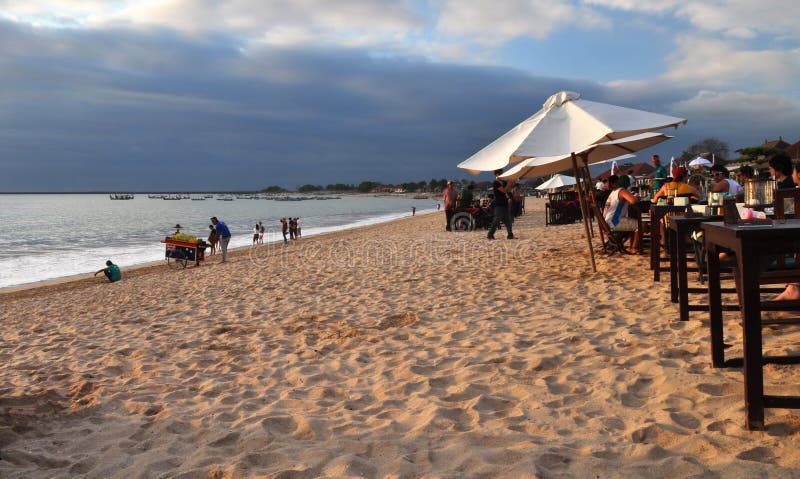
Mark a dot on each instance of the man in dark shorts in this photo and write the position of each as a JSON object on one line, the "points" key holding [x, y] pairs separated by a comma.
{"points": [[501, 213], [449, 198]]}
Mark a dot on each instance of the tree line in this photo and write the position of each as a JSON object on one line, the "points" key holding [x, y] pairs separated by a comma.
{"points": [[433, 185]]}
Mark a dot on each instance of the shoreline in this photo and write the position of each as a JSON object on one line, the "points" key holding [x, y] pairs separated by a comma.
{"points": [[78, 281]]}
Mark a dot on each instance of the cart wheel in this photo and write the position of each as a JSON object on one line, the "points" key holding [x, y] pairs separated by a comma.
{"points": [[178, 261]]}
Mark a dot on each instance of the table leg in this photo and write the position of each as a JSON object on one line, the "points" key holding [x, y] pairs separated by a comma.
{"points": [[673, 269], [683, 282], [751, 341], [715, 307], [655, 240]]}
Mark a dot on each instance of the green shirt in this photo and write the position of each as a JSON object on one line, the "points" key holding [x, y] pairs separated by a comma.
{"points": [[115, 273], [660, 174], [466, 196]]}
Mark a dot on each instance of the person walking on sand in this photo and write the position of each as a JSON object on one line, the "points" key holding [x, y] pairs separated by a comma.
{"points": [[260, 233], [256, 232], [111, 271], [413, 211], [284, 229], [213, 239], [297, 228], [224, 236], [449, 196], [501, 213]]}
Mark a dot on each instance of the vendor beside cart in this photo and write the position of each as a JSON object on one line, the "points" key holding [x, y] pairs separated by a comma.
{"points": [[111, 271], [224, 236]]}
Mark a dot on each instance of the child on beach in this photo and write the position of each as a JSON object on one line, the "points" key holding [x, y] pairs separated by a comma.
{"points": [[213, 238]]}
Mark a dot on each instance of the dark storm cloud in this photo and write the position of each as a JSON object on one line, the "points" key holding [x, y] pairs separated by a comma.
{"points": [[134, 110]]}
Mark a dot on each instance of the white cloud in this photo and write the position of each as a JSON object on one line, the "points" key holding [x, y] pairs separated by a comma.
{"points": [[734, 18], [273, 21], [720, 63], [494, 23], [637, 5]]}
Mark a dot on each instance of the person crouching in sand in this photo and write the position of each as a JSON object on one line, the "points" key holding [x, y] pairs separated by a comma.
{"points": [[111, 271]]}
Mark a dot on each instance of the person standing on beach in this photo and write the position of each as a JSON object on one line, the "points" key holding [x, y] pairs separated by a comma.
{"points": [[297, 228], [500, 188], [256, 232], [224, 236], [449, 199], [413, 211], [516, 201], [260, 233], [659, 174], [111, 271], [213, 239], [284, 229]]}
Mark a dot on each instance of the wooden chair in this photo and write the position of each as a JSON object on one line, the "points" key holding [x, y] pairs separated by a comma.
{"points": [[562, 208], [616, 244], [782, 271], [792, 194]]}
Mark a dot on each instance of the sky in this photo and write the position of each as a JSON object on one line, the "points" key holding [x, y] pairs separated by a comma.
{"points": [[243, 94]]}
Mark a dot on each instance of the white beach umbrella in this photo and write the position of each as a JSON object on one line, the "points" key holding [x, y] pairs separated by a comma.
{"points": [[557, 181], [700, 161], [566, 124], [598, 153]]}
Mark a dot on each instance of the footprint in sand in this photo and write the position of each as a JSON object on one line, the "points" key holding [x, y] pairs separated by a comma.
{"points": [[398, 321], [757, 454], [685, 419], [228, 440]]}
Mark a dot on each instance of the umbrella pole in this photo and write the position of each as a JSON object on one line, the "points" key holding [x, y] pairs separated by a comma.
{"points": [[582, 201], [592, 200]]}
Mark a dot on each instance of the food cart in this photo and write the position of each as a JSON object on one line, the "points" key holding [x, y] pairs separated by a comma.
{"points": [[181, 248]]}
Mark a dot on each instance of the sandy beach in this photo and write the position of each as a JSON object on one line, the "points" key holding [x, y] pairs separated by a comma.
{"points": [[394, 350]]}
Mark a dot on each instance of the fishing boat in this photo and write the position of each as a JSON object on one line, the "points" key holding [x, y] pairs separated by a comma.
{"points": [[120, 196]]}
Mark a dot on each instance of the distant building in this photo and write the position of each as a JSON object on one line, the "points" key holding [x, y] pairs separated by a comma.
{"points": [[779, 144], [794, 151]]}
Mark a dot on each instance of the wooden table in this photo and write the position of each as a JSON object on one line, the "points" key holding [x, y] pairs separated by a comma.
{"points": [[680, 230], [657, 213], [752, 247]]}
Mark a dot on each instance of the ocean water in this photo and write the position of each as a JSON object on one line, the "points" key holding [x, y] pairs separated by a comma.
{"points": [[53, 236]]}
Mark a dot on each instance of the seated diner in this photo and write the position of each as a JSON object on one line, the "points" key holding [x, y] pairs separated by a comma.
{"points": [[616, 210], [678, 187], [723, 184]]}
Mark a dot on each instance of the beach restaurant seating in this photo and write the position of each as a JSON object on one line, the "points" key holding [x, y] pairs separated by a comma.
{"points": [[562, 208]]}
